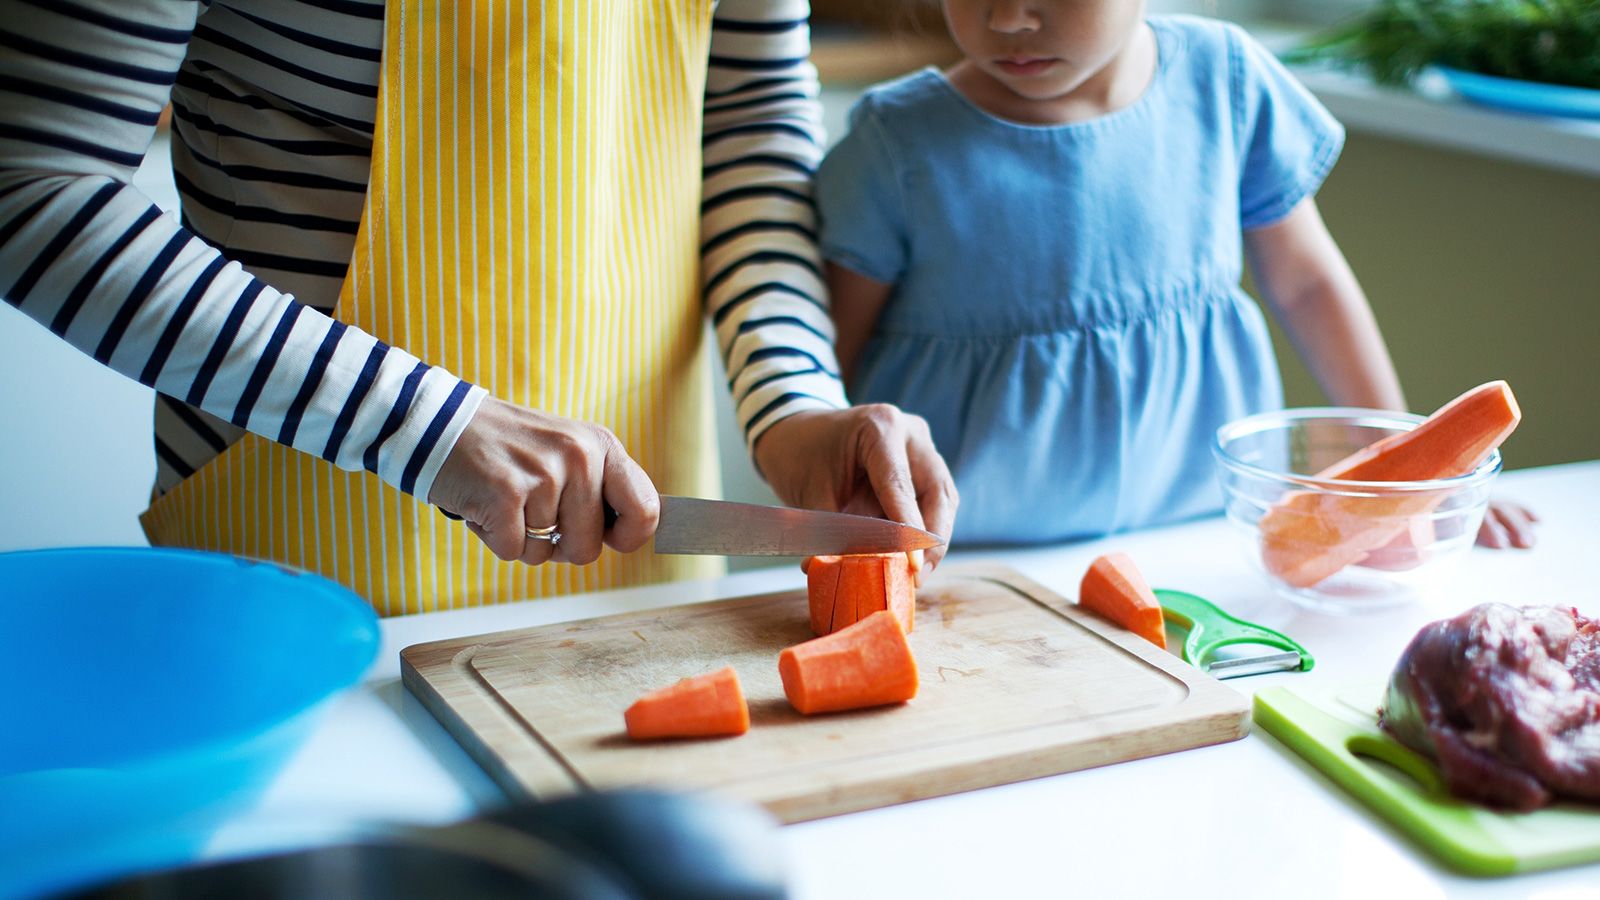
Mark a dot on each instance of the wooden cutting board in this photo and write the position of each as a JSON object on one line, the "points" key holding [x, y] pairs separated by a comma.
{"points": [[1016, 683]]}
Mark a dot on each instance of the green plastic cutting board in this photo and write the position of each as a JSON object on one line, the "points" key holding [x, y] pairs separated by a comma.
{"points": [[1336, 730]]}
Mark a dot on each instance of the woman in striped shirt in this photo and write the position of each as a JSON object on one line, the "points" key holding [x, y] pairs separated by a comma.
{"points": [[234, 313]]}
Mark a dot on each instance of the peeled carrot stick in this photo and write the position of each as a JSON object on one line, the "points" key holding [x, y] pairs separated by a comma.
{"points": [[1114, 588], [702, 706], [1451, 442], [842, 590], [1306, 536], [1409, 549], [866, 664]]}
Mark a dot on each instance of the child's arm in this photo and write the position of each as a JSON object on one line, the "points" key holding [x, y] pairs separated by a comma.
{"points": [[1309, 287], [856, 301]]}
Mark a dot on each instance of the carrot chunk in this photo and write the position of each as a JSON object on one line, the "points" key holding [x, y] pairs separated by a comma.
{"points": [[842, 590], [867, 664], [1307, 537], [701, 706], [822, 590], [1114, 588], [846, 600], [900, 588]]}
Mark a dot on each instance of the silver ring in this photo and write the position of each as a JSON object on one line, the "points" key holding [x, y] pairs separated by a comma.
{"points": [[547, 533]]}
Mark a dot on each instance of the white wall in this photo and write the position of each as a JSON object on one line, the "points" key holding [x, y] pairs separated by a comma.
{"points": [[76, 462]]}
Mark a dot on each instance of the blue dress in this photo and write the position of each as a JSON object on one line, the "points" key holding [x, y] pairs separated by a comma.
{"points": [[1067, 312]]}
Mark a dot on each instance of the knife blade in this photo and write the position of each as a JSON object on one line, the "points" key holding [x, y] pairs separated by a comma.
{"points": [[692, 525]]}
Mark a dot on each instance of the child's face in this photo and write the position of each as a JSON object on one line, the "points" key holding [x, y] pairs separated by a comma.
{"points": [[1042, 50]]}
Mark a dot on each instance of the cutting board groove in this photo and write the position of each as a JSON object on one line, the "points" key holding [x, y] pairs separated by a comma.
{"points": [[1016, 683]]}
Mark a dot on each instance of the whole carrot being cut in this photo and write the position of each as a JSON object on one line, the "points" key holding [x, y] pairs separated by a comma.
{"points": [[842, 590], [1307, 537], [867, 664], [702, 706], [1114, 588]]}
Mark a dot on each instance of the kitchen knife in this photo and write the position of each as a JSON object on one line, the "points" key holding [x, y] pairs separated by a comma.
{"points": [[720, 528], [698, 527]]}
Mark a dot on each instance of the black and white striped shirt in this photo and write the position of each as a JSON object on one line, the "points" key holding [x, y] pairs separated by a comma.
{"points": [[225, 313]]}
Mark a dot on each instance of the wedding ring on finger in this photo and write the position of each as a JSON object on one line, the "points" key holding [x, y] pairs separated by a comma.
{"points": [[547, 533]]}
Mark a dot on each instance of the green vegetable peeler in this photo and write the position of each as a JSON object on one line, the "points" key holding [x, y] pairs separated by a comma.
{"points": [[1211, 629]]}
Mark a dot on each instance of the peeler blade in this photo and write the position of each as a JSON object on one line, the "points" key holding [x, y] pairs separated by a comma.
{"points": [[1252, 665]]}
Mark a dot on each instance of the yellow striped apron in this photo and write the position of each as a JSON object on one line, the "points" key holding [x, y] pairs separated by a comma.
{"points": [[532, 225]]}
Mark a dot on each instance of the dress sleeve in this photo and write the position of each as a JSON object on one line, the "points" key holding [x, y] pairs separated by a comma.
{"points": [[91, 258], [860, 202], [1288, 141], [762, 275]]}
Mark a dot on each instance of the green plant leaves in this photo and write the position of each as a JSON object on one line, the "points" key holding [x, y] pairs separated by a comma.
{"points": [[1553, 41]]}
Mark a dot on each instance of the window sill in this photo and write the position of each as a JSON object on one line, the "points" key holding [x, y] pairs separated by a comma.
{"points": [[1431, 113]]}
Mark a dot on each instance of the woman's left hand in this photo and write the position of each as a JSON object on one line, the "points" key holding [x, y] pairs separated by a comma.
{"points": [[1507, 525], [871, 460]]}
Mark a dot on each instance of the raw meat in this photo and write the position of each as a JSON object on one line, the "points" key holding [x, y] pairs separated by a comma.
{"points": [[1506, 701]]}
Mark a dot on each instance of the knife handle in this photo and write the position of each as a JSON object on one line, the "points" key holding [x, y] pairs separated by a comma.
{"points": [[611, 516]]}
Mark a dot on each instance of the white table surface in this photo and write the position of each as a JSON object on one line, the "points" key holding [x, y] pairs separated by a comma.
{"points": [[1244, 819]]}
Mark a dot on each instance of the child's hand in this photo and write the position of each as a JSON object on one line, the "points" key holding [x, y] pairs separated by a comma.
{"points": [[1507, 525]]}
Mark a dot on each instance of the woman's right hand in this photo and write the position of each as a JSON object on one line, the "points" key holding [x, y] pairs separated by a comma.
{"points": [[515, 468]]}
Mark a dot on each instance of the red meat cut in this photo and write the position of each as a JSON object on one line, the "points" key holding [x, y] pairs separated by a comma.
{"points": [[1506, 701]]}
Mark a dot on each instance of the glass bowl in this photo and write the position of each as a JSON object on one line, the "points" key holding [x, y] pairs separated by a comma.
{"points": [[1343, 546]]}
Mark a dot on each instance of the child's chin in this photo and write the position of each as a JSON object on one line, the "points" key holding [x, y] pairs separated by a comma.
{"points": [[1037, 89]]}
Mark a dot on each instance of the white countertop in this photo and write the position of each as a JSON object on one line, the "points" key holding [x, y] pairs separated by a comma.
{"points": [[1244, 819]]}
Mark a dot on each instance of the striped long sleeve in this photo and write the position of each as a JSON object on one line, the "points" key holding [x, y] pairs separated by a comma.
{"points": [[761, 269], [89, 257], [226, 313]]}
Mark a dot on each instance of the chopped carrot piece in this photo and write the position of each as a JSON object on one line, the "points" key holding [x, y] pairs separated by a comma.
{"points": [[1307, 537], [702, 706], [1114, 588], [867, 664], [822, 590], [900, 588], [847, 596], [845, 589]]}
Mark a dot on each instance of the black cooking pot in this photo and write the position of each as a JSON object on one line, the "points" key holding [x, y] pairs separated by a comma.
{"points": [[625, 845]]}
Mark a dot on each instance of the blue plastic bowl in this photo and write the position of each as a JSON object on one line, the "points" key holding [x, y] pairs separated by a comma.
{"points": [[1524, 96], [151, 687]]}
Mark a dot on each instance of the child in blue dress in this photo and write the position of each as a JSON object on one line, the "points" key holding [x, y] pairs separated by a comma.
{"points": [[1039, 252]]}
